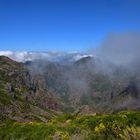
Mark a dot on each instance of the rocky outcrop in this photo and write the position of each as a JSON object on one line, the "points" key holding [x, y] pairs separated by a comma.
{"points": [[22, 94]]}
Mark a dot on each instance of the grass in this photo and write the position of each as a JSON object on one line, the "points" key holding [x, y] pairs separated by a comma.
{"points": [[26, 131], [68, 127]]}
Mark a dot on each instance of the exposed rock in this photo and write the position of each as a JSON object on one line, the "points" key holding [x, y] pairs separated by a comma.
{"points": [[22, 94]]}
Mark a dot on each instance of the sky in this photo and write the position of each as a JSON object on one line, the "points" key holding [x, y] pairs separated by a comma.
{"points": [[64, 25]]}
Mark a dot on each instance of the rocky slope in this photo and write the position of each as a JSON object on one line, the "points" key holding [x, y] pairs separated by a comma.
{"points": [[22, 96]]}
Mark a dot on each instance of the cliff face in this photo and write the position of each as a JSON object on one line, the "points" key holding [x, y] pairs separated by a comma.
{"points": [[22, 96]]}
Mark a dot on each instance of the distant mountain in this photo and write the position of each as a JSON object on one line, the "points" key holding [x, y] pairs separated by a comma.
{"points": [[89, 82], [23, 56]]}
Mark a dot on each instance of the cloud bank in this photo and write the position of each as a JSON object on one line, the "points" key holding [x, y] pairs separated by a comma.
{"points": [[23, 56]]}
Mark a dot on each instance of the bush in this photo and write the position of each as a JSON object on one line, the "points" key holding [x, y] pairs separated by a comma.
{"points": [[119, 126]]}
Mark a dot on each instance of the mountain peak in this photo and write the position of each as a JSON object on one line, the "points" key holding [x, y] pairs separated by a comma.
{"points": [[84, 60]]}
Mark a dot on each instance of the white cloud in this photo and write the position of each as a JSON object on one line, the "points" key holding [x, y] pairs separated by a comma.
{"points": [[23, 56]]}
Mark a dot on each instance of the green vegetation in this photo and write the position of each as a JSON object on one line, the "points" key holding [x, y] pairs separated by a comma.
{"points": [[117, 126]]}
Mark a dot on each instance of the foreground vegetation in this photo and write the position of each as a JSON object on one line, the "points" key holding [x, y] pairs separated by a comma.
{"points": [[122, 125]]}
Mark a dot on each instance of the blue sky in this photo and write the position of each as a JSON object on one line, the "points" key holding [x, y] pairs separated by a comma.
{"points": [[64, 25]]}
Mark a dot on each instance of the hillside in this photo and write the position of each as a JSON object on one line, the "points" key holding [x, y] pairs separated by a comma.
{"points": [[23, 98]]}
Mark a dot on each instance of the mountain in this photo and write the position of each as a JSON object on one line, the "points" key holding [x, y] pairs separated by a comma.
{"points": [[22, 96], [75, 100], [84, 86], [89, 82]]}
